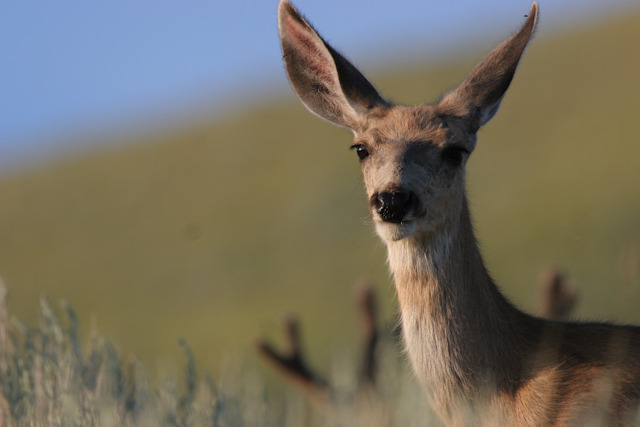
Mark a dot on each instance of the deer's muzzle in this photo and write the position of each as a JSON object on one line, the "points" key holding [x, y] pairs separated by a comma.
{"points": [[394, 206]]}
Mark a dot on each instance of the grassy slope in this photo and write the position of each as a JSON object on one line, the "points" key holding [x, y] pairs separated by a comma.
{"points": [[214, 233]]}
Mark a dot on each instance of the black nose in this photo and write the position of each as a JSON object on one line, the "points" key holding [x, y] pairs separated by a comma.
{"points": [[393, 206]]}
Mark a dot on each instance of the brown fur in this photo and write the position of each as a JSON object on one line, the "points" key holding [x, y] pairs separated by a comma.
{"points": [[481, 360]]}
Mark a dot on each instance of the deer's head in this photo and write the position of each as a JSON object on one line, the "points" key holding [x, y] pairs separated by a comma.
{"points": [[412, 158]]}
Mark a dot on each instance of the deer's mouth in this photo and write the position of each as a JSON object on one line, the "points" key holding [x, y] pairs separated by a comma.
{"points": [[391, 231]]}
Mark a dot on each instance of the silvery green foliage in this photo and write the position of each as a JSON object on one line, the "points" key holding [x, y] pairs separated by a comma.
{"points": [[47, 378]]}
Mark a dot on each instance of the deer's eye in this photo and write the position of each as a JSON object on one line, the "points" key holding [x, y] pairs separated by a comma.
{"points": [[453, 154], [361, 151]]}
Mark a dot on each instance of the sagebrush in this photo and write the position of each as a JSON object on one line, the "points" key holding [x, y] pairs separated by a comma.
{"points": [[49, 377]]}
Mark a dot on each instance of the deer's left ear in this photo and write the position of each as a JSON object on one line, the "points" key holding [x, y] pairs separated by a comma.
{"points": [[324, 80], [478, 97]]}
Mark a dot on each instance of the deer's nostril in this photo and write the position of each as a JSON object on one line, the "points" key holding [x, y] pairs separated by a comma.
{"points": [[383, 200], [394, 206]]}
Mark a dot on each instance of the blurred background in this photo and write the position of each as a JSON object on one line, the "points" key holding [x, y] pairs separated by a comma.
{"points": [[157, 172]]}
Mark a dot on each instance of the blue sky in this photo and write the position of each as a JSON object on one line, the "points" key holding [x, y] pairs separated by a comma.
{"points": [[77, 71]]}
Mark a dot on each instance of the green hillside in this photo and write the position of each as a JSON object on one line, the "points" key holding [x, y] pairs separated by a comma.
{"points": [[213, 233]]}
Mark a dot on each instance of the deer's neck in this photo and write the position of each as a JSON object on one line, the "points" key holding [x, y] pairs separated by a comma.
{"points": [[461, 334]]}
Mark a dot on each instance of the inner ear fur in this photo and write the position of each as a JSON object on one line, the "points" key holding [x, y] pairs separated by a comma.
{"points": [[478, 97], [326, 82]]}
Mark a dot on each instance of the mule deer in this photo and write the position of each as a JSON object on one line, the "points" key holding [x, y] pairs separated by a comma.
{"points": [[557, 298], [480, 359]]}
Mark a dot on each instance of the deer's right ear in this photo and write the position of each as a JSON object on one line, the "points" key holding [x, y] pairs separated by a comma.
{"points": [[324, 80]]}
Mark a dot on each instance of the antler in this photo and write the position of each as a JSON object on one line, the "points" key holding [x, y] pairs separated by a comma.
{"points": [[295, 368], [369, 315], [558, 296]]}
